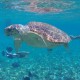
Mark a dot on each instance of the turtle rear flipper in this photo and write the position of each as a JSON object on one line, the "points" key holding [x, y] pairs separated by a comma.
{"points": [[66, 45], [74, 37]]}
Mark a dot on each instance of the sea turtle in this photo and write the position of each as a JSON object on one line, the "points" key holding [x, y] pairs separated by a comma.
{"points": [[37, 34]]}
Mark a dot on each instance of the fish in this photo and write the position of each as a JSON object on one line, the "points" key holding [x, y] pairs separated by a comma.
{"points": [[22, 54], [10, 55]]}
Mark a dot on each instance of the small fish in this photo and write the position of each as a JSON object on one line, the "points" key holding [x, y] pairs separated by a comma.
{"points": [[15, 64], [9, 49]]}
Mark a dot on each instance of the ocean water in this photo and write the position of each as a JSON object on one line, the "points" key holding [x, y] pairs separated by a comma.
{"points": [[58, 64]]}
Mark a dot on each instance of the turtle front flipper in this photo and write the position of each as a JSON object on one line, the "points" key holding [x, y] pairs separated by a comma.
{"points": [[17, 44]]}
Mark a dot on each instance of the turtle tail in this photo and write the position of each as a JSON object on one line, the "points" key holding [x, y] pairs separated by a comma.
{"points": [[74, 37]]}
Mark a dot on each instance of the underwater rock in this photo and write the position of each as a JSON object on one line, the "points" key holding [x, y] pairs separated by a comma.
{"points": [[9, 49], [68, 78], [1, 78], [15, 64], [26, 78], [30, 74]]}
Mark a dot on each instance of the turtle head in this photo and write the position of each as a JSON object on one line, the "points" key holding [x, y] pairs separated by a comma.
{"points": [[12, 30]]}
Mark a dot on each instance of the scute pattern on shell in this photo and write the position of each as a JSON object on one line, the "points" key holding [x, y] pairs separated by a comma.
{"points": [[49, 32]]}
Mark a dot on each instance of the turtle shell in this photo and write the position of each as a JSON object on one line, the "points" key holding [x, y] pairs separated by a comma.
{"points": [[49, 32]]}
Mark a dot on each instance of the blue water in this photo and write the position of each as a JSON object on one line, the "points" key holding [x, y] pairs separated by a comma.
{"points": [[55, 65]]}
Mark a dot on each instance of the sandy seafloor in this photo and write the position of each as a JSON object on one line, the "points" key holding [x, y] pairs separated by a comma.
{"points": [[56, 65]]}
